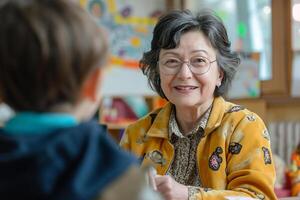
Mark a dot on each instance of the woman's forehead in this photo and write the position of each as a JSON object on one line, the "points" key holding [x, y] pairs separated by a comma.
{"points": [[192, 42]]}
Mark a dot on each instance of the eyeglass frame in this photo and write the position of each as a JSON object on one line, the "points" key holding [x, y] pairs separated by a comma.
{"points": [[188, 63]]}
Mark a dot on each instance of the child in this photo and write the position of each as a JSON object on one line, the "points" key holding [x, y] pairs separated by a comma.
{"points": [[51, 54]]}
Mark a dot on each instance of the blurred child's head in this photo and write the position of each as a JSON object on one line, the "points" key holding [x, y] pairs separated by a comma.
{"points": [[51, 52]]}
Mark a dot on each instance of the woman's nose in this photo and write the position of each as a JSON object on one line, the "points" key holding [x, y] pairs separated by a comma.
{"points": [[185, 71]]}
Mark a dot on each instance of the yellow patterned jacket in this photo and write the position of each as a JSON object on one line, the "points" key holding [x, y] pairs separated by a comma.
{"points": [[234, 157]]}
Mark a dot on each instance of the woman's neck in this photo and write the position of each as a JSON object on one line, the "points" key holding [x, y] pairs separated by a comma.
{"points": [[187, 117]]}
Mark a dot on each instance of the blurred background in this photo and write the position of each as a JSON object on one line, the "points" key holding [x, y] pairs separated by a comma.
{"points": [[266, 34]]}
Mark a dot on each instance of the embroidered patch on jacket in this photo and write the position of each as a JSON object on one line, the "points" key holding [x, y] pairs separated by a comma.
{"points": [[235, 148], [266, 134], [251, 117], [235, 109], [143, 138], [267, 155], [260, 196], [215, 159], [156, 157]]}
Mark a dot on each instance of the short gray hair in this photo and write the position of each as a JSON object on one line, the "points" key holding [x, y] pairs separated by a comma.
{"points": [[167, 33]]}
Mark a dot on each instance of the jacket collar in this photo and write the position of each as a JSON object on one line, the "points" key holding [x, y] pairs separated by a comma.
{"points": [[159, 127], [216, 115]]}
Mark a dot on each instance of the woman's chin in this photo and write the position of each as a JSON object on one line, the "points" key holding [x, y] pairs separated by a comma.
{"points": [[185, 103]]}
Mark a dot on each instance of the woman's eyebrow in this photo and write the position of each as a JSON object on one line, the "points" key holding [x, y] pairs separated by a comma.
{"points": [[174, 53], [171, 53], [200, 51]]}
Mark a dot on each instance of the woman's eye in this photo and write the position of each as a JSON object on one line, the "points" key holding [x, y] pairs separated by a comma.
{"points": [[172, 61], [199, 61]]}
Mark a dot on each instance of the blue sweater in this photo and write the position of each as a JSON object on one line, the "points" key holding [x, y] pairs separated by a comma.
{"points": [[75, 162]]}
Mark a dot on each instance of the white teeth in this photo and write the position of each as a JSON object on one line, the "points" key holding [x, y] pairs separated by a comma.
{"points": [[185, 87]]}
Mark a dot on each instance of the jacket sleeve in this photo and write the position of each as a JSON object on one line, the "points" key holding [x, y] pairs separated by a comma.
{"points": [[250, 169]]}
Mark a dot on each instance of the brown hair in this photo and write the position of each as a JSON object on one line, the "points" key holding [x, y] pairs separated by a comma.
{"points": [[47, 50]]}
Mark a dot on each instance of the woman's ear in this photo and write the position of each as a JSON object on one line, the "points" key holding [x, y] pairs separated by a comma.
{"points": [[91, 86], [220, 78]]}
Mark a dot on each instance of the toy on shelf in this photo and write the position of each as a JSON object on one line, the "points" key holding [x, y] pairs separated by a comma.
{"points": [[294, 173], [121, 111], [282, 185]]}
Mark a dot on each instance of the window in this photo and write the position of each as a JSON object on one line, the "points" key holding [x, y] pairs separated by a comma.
{"points": [[249, 27], [258, 25], [295, 20]]}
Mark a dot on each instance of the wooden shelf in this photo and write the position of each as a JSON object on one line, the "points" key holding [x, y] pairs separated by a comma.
{"points": [[276, 108]]}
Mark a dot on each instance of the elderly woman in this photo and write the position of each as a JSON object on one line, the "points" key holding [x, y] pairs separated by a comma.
{"points": [[202, 146]]}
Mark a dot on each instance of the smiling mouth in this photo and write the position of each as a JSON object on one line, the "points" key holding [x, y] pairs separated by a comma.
{"points": [[185, 88]]}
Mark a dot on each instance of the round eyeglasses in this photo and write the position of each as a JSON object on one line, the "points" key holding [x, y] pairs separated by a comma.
{"points": [[198, 65]]}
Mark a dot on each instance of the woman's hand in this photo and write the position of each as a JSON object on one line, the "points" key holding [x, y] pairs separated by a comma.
{"points": [[170, 189]]}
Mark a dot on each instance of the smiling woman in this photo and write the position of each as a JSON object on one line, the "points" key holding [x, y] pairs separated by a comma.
{"points": [[190, 84], [208, 148]]}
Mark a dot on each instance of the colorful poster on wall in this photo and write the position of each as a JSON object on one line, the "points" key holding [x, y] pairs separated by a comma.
{"points": [[128, 25], [246, 83]]}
